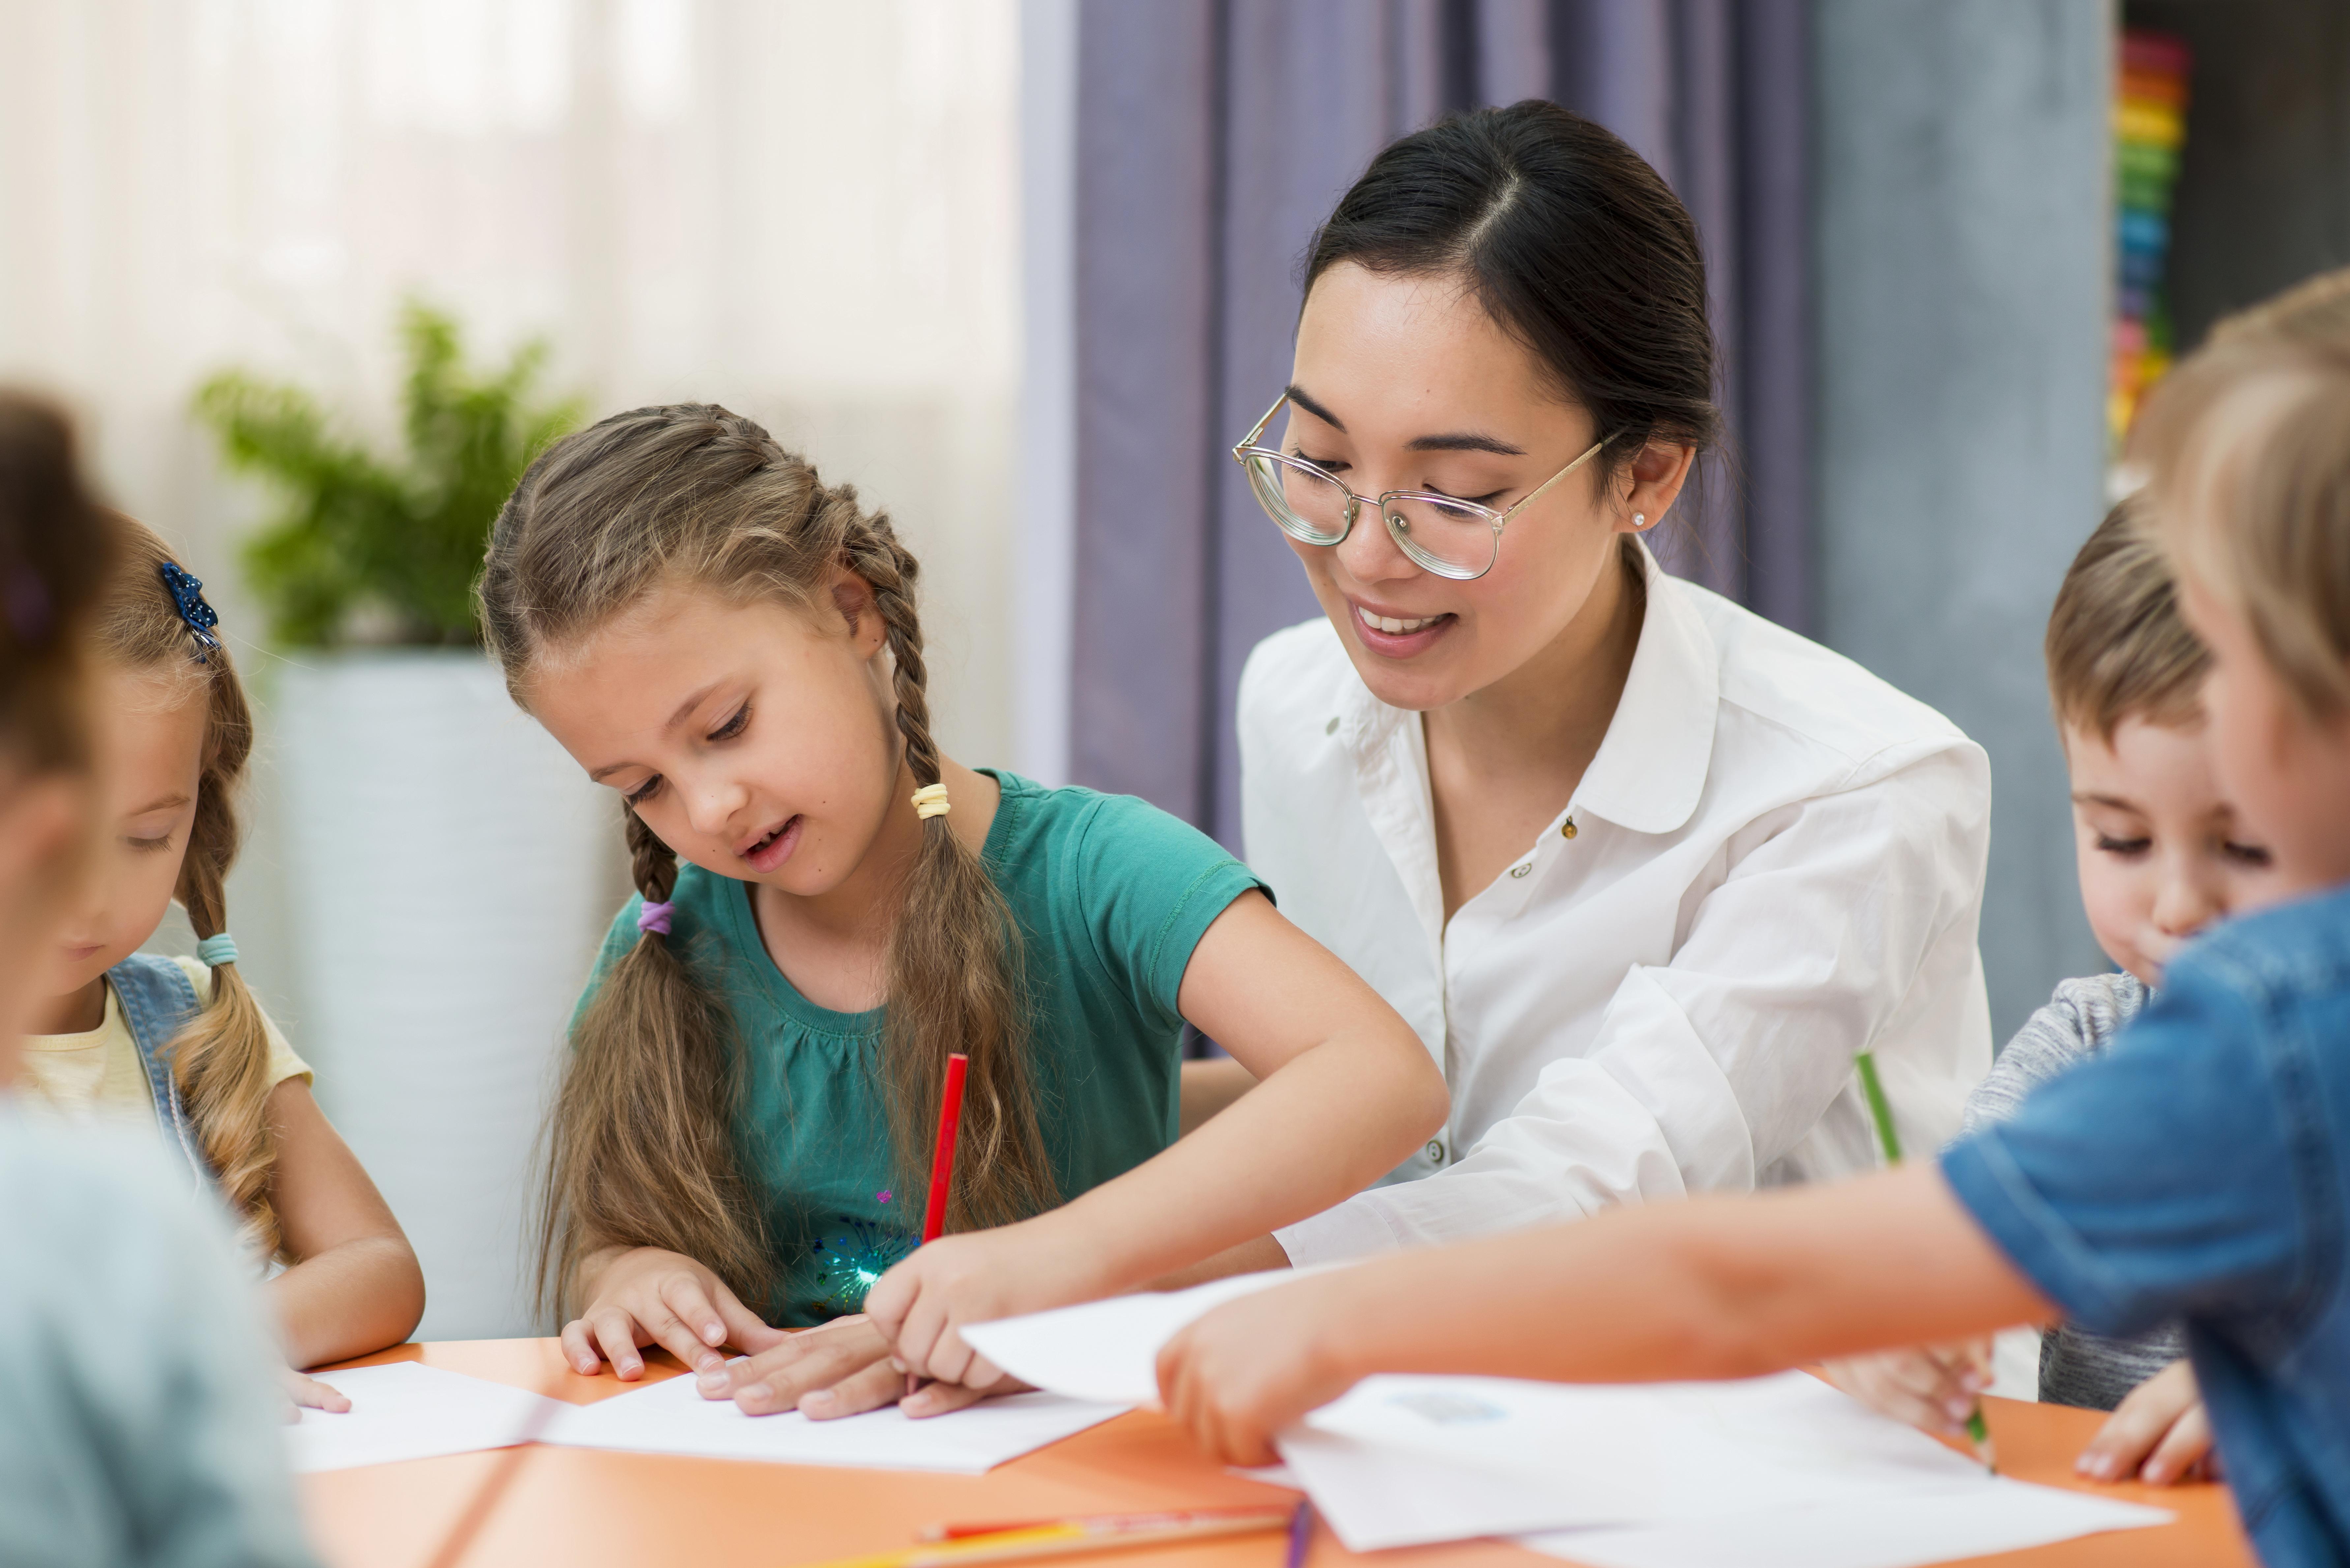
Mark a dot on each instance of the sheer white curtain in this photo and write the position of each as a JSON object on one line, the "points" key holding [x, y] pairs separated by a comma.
{"points": [[808, 211], [804, 209]]}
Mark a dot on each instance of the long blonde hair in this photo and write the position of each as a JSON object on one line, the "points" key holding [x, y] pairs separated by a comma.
{"points": [[639, 1149], [221, 1059]]}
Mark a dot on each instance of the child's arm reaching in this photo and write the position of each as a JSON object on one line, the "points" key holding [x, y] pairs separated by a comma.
{"points": [[1714, 1287], [1345, 1091], [1933, 1387], [354, 1285]]}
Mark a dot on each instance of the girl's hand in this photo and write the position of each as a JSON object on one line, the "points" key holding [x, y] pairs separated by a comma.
{"points": [[647, 1296], [1933, 1389], [307, 1393], [2161, 1434], [1247, 1371], [921, 1304], [844, 1368]]}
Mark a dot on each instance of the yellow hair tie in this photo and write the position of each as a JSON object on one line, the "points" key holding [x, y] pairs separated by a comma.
{"points": [[931, 800]]}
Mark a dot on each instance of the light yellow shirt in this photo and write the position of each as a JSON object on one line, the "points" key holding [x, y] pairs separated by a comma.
{"points": [[98, 1073]]}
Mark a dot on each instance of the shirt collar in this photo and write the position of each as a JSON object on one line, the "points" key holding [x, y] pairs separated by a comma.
{"points": [[1650, 768], [1649, 772]]}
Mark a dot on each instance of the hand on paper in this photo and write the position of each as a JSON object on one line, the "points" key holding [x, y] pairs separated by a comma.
{"points": [[2161, 1434], [310, 1393], [844, 1368], [1934, 1388], [1246, 1371], [646, 1296], [921, 1304]]}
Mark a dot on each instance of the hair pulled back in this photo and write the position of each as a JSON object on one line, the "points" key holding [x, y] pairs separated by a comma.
{"points": [[222, 1058], [638, 1146], [1571, 243]]}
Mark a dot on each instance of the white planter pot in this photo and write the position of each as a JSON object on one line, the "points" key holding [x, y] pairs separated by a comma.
{"points": [[448, 873]]}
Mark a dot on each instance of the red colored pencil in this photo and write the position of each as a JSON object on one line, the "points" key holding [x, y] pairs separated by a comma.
{"points": [[934, 1213]]}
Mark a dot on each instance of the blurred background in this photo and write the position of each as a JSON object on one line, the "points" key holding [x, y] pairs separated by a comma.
{"points": [[1022, 270]]}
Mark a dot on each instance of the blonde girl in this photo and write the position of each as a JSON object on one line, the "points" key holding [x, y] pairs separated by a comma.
{"points": [[181, 1046], [743, 1123]]}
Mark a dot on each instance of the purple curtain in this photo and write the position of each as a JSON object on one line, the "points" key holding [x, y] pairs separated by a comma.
{"points": [[1213, 135]]}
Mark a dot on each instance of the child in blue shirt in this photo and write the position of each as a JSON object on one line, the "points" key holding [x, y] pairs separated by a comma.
{"points": [[2200, 1171]]}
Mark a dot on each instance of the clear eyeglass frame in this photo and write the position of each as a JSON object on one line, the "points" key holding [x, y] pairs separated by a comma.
{"points": [[1262, 464]]}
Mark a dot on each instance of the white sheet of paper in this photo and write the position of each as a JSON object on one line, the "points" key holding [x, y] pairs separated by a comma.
{"points": [[672, 1418], [1885, 1532], [407, 1410], [1410, 1460], [1106, 1349]]}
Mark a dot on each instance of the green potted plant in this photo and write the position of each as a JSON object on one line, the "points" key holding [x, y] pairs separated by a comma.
{"points": [[445, 863]]}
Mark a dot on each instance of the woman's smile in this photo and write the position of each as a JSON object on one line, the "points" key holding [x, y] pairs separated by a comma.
{"points": [[1395, 636]]}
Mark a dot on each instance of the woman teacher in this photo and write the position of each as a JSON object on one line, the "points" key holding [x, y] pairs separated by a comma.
{"points": [[1646, 872]]}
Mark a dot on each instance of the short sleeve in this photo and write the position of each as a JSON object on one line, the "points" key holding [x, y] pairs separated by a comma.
{"points": [[284, 1062], [1149, 887], [2154, 1183]]}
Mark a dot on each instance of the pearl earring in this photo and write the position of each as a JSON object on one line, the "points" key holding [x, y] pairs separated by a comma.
{"points": [[1639, 521]]}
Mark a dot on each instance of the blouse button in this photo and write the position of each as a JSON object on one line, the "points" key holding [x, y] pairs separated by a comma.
{"points": [[1566, 828], [1332, 727], [1521, 870], [1436, 1150]]}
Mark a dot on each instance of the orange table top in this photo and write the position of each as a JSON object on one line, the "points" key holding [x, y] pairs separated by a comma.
{"points": [[585, 1507]]}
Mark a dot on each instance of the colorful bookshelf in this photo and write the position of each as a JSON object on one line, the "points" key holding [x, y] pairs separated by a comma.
{"points": [[2150, 130]]}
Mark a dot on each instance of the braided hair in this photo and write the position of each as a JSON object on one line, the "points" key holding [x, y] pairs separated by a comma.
{"points": [[221, 1059], [638, 1150]]}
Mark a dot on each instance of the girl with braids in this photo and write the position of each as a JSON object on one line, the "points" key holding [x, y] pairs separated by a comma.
{"points": [[180, 1046], [828, 907]]}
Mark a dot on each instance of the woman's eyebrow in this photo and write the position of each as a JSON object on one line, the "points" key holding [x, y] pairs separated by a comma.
{"points": [[1465, 441], [1458, 440], [173, 802]]}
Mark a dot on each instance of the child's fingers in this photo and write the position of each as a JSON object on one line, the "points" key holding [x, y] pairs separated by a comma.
{"points": [[616, 1334], [744, 1329], [2181, 1449], [579, 1349], [779, 1378], [938, 1398], [314, 1395], [868, 1390], [684, 1324], [917, 1336]]}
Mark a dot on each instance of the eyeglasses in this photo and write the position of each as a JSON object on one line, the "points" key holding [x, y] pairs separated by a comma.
{"points": [[1442, 533]]}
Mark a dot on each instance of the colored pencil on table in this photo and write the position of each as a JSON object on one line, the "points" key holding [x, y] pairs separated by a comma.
{"points": [[1241, 1516], [934, 1212], [1068, 1537], [1301, 1535], [1881, 1110]]}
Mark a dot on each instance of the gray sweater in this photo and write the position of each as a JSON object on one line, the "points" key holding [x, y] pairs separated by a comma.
{"points": [[2076, 1367]]}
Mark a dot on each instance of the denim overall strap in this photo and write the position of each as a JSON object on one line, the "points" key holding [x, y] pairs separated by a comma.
{"points": [[157, 1002]]}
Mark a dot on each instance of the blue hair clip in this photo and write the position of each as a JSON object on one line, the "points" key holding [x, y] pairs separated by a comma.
{"points": [[188, 597]]}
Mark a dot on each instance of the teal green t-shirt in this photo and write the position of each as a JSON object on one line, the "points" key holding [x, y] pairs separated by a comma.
{"points": [[1111, 895]]}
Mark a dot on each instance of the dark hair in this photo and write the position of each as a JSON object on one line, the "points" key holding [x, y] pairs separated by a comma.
{"points": [[54, 551], [2117, 647], [1570, 242]]}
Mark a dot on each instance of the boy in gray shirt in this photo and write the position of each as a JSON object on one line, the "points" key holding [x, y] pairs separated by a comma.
{"points": [[2160, 857]]}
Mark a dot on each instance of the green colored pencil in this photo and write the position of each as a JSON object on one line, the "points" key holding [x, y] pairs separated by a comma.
{"points": [[1881, 1110]]}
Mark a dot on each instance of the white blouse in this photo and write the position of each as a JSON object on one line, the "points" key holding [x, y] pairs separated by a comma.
{"points": [[1775, 862]]}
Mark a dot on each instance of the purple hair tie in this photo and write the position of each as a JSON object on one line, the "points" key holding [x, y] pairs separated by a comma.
{"points": [[654, 918]]}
